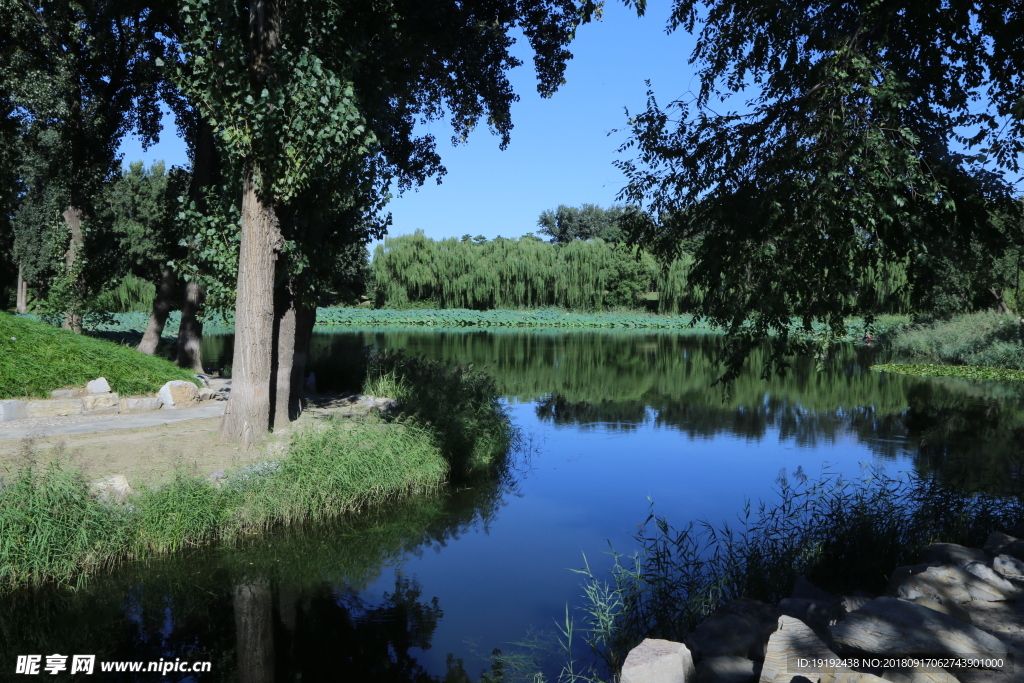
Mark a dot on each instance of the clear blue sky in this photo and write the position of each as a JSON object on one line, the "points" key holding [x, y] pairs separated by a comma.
{"points": [[561, 151]]}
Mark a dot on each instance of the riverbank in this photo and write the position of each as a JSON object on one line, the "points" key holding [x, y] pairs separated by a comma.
{"points": [[60, 524]]}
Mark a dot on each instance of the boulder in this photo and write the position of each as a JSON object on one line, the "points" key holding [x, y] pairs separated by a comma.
{"points": [[13, 410], [178, 394], [92, 403], [817, 614], [113, 488], [98, 386], [990, 575], [999, 543], [658, 661], [791, 654], [891, 627], [946, 607], [65, 393], [207, 394], [727, 670], [55, 408], [728, 635], [901, 574], [1009, 566], [140, 405], [952, 584], [951, 553], [852, 603]]}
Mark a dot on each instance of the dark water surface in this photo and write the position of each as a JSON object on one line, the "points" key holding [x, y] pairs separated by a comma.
{"points": [[428, 588]]}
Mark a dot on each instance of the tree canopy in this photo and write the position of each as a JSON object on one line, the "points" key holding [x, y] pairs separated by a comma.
{"points": [[869, 133]]}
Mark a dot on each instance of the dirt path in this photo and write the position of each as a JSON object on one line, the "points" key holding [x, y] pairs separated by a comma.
{"points": [[148, 448]]}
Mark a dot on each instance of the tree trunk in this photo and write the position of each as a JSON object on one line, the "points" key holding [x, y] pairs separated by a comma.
{"points": [[247, 415], [190, 331], [305, 318], [22, 302], [254, 632], [1000, 302], [161, 309], [284, 354], [73, 219]]}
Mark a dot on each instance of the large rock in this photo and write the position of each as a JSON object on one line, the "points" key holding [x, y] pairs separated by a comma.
{"points": [[951, 553], [728, 635], [991, 576], [945, 606], [817, 614], [178, 394], [65, 393], [658, 661], [953, 584], [140, 405], [727, 670], [96, 401], [999, 543], [794, 651], [55, 408], [1009, 566], [98, 386], [113, 488], [891, 627], [13, 410]]}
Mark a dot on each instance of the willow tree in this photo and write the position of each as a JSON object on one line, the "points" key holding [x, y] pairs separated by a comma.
{"points": [[870, 131], [294, 90]]}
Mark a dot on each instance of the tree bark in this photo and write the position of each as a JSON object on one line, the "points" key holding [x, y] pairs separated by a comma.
{"points": [[190, 330], [22, 298], [247, 414], [254, 631], [284, 355], [73, 219], [161, 309], [1000, 302]]}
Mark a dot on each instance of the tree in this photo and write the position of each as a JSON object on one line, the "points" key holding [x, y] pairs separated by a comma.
{"points": [[873, 132], [567, 223], [295, 92], [83, 74]]}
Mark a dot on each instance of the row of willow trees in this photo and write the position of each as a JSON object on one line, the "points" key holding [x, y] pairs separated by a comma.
{"points": [[413, 271]]}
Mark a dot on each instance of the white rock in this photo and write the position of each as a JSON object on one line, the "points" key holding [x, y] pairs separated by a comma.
{"points": [[98, 386], [13, 410], [1009, 567], [792, 651], [140, 405], [114, 487], [178, 394], [93, 402], [55, 408], [658, 661]]}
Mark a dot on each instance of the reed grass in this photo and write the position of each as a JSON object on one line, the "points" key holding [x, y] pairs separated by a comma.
{"points": [[841, 534], [986, 339]]}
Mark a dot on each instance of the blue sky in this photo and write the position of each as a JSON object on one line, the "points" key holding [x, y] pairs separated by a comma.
{"points": [[561, 151]]}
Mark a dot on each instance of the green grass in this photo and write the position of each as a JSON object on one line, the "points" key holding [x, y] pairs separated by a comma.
{"points": [[962, 371], [450, 426], [984, 339], [841, 534], [38, 358]]}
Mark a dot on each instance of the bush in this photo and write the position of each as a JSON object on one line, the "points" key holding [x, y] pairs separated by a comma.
{"points": [[983, 339]]}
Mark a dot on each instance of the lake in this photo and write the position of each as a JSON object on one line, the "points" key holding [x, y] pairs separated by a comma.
{"points": [[424, 590]]}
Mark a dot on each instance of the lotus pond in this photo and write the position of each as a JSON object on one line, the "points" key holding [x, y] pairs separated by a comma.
{"points": [[427, 589]]}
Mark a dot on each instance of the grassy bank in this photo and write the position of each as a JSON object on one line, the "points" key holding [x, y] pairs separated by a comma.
{"points": [[842, 535], [38, 358], [54, 526], [982, 339]]}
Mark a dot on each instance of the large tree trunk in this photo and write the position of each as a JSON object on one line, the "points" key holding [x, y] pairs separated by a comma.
{"points": [[161, 309], [190, 331], [284, 355], [254, 631], [73, 219], [247, 415], [1000, 302], [22, 298]]}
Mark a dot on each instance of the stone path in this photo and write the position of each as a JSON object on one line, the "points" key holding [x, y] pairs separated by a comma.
{"points": [[84, 424]]}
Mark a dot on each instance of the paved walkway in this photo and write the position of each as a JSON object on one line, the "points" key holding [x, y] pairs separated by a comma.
{"points": [[83, 424]]}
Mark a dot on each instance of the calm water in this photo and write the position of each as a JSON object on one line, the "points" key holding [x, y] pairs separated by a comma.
{"points": [[430, 586]]}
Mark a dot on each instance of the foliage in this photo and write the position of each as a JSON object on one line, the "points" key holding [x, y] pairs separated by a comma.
{"points": [[458, 405], [131, 295], [840, 534], [589, 221], [509, 273], [851, 155], [975, 339], [456, 317], [963, 371], [39, 358]]}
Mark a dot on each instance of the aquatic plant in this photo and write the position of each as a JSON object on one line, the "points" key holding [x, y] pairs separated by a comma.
{"points": [[962, 371], [841, 534]]}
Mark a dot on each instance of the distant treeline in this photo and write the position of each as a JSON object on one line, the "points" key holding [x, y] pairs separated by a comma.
{"points": [[414, 271]]}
